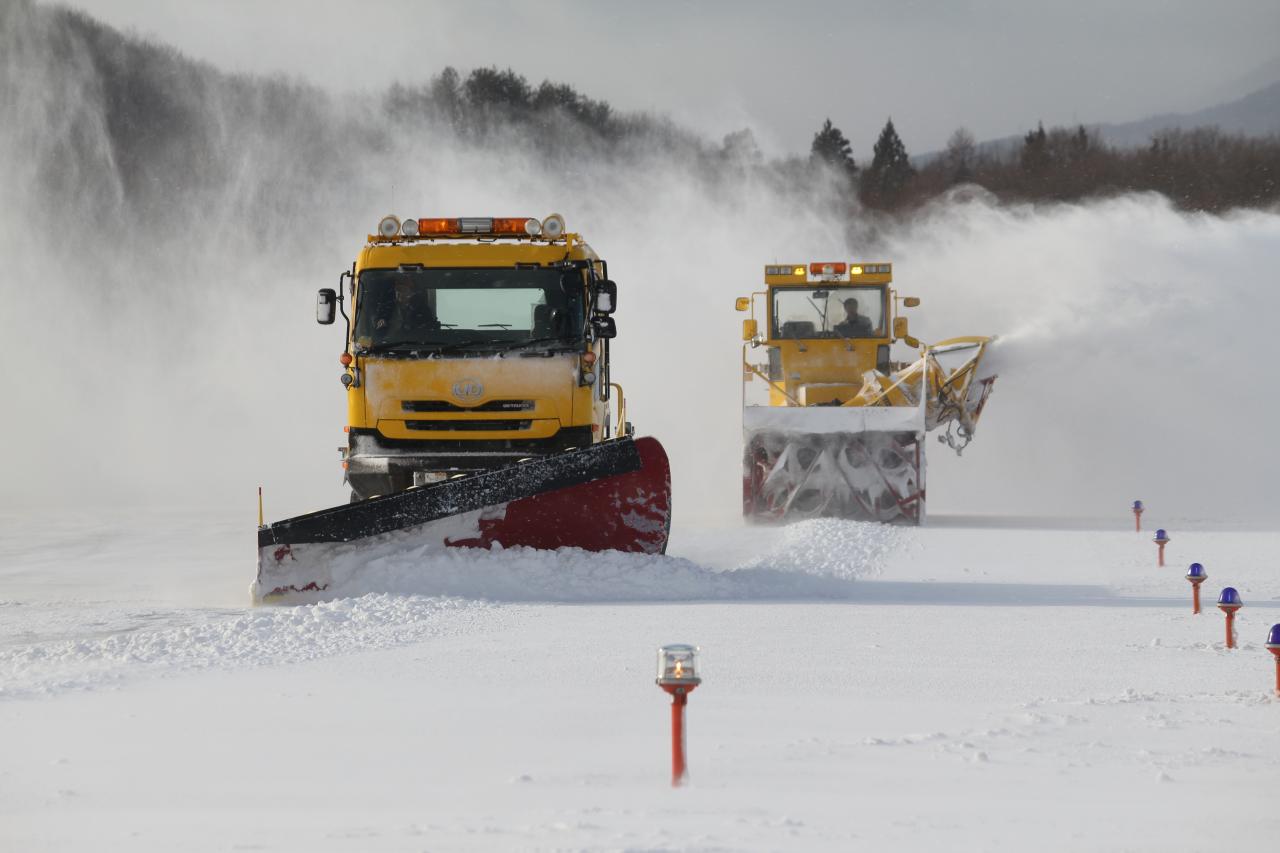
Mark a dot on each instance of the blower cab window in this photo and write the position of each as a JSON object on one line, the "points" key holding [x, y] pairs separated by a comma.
{"points": [[806, 313], [432, 309]]}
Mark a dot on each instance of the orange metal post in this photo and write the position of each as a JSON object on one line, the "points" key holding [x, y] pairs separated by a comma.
{"points": [[1137, 520], [1273, 646], [1195, 598], [1231, 630], [1160, 553], [678, 770]]}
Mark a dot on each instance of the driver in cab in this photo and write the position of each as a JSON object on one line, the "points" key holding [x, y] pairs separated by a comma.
{"points": [[408, 315], [854, 325]]}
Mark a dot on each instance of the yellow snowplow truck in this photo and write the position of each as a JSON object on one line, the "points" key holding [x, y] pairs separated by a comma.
{"points": [[480, 407], [832, 424]]}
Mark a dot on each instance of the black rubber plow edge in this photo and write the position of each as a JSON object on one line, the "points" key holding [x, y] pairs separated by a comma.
{"points": [[464, 494]]}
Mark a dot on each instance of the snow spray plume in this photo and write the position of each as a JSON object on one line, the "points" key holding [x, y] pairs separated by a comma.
{"points": [[1134, 353], [168, 224], [174, 221]]}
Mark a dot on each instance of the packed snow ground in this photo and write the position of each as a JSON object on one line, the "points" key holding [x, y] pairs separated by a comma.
{"points": [[984, 683]]}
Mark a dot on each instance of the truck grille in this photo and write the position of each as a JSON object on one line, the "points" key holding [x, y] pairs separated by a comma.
{"points": [[446, 406], [468, 426]]}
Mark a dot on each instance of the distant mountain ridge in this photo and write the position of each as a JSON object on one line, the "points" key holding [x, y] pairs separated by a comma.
{"points": [[1255, 114]]}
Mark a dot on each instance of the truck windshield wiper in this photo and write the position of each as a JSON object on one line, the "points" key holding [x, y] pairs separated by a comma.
{"points": [[396, 346], [436, 348], [551, 339], [462, 345]]}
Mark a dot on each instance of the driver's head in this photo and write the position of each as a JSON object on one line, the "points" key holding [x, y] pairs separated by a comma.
{"points": [[403, 290], [851, 308]]}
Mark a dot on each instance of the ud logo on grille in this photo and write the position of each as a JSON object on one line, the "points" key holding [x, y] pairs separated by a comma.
{"points": [[468, 389]]}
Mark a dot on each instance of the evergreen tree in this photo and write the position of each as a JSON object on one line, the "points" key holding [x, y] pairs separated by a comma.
{"points": [[1035, 150], [890, 169], [740, 149], [830, 147], [446, 92]]}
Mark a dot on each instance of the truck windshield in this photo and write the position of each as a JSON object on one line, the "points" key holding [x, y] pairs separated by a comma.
{"points": [[428, 308], [828, 312]]}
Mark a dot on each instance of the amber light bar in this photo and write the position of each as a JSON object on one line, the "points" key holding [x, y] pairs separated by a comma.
{"points": [[523, 225]]}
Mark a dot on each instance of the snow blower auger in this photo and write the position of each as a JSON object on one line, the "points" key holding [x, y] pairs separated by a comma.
{"points": [[838, 430], [477, 373]]}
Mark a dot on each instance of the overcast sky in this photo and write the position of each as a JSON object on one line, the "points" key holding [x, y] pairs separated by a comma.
{"points": [[994, 66]]}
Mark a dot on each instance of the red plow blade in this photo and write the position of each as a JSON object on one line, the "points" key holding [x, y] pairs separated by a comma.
{"points": [[614, 496]]}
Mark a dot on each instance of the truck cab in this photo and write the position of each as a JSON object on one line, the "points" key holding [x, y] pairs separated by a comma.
{"points": [[825, 326], [472, 343]]}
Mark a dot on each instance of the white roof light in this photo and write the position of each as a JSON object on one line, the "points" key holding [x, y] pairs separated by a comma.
{"points": [[389, 226], [553, 226]]}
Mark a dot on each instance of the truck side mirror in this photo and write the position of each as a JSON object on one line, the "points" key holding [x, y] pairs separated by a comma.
{"points": [[607, 297], [900, 332], [326, 306], [911, 301], [605, 327], [750, 328], [743, 303]]}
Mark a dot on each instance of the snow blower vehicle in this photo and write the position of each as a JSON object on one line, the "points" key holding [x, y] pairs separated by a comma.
{"points": [[837, 429], [479, 405]]}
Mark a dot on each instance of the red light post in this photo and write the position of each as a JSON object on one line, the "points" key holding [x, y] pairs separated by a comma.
{"points": [[678, 675], [1196, 575], [1229, 602], [1273, 646], [1137, 516], [1161, 540]]}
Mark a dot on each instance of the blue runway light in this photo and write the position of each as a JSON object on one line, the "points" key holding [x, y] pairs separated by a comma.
{"points": [[1273, 637], [1197, 575], [1229, 597], [1160, 534]]}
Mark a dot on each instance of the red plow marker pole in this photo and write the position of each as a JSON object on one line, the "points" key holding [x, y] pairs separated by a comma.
{"points": [[678, 670], [678, 770], [1273, 646], [1229, 602], [1161, 540]]}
